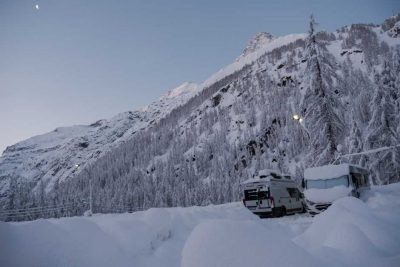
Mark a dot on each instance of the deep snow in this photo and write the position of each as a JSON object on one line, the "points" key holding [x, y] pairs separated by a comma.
{"points": [[349, 233]]}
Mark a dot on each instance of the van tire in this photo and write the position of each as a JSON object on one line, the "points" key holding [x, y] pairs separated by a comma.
{"points": [[283, 211], [279, 212], [276, 212]]}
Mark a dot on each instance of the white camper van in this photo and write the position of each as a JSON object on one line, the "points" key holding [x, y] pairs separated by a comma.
{"points": [[270, 194], [325, 184]]}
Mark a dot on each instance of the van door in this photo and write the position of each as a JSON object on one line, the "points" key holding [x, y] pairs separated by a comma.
{"points": [[282, 198], [251, 198], [263, 199], [295, 203]]}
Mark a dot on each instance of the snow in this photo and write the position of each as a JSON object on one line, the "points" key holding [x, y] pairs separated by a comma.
{"points": [[326, 172], [256, 180], [257, 42], [266, 172], [372, 151], [185, 88], [327, 195], [250, 58], [349, 233], [242, 243]]}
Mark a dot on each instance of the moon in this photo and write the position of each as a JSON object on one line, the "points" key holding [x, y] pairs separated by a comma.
{"points": [[37, 7]]}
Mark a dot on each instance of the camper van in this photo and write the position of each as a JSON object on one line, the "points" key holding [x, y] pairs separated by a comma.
{"points": [[325, 184], [270, 194]]}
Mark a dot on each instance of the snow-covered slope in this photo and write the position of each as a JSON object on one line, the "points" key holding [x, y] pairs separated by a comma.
{"points": [[238, 122], [60, 154], [349, 233]]}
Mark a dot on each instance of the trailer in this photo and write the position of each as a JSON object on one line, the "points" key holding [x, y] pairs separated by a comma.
{"points": [[271, 194], [325, 184]]}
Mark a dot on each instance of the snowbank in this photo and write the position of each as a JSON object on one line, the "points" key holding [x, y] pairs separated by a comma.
{"points": [[244, 243], [151, 238], [327, 195], [349, 233]]}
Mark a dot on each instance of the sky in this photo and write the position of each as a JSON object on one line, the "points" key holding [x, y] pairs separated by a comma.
{"points": [[74, 62]]}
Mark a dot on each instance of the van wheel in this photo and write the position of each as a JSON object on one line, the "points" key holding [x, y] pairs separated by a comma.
{"points": [[283, 211], [276, 212], [279, 212]]}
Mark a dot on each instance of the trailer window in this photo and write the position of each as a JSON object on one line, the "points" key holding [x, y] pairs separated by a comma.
{"points": [[328, 183]]}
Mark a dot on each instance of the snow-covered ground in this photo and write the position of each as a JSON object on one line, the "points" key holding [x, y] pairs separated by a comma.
{"points": [[350, 233]]}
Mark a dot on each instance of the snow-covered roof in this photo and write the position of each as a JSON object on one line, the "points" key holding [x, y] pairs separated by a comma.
{"points": [[267, 172], [326, 172], [266, 175], [257, 179]]}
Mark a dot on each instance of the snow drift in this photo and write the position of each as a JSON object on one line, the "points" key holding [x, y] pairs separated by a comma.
{"points": [[349, 233]]}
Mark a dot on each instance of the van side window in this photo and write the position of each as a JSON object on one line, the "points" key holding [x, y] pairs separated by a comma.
{"points": [[293, 192]]}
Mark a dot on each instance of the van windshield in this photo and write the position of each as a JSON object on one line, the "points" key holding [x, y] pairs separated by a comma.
{"points": [[328, 183]]}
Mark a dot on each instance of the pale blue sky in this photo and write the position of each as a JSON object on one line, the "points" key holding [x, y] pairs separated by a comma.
{"points": [[74, 61]]}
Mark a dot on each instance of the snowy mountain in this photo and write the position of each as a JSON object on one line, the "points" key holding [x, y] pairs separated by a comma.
{"points": [[62, 153], [256, 43], [197, 143]]}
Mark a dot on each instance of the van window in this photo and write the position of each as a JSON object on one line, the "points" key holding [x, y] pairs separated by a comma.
{"points": [[250, 194], [293, 192], [263, 194]]}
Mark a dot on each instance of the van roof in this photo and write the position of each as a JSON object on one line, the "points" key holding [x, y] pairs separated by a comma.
{"points": [[331, 171], [266, 172], [267, 175]]}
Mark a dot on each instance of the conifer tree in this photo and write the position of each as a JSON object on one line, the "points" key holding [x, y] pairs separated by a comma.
{"points": [[320, 105]]}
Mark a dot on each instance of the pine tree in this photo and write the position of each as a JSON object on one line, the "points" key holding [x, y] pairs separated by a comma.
{"points": [[320, 105], [382, 129]]}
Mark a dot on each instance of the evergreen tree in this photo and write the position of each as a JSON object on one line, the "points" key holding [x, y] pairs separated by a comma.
{"points": [[382, 129], [320, 105]]}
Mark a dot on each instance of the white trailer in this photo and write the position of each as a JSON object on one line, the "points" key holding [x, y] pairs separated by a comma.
{"points": [[325, 184], [270, 194]]}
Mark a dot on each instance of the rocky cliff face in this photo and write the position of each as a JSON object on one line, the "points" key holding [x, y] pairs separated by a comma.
{"points": [[256, 43]]}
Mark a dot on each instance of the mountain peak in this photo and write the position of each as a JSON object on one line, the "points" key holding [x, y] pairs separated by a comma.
{"points": [[258, 41], [185, 88]]}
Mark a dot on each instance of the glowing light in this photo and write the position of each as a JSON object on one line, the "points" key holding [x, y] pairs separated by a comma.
{"points": [[301, 120], [296, 117], [37, 7]]}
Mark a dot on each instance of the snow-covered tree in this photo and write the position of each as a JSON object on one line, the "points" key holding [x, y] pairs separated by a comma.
{"points": [[320, 106]]}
